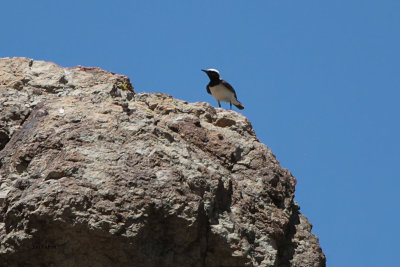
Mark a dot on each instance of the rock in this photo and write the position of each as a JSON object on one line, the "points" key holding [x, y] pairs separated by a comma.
{"points": [[96, 175]]}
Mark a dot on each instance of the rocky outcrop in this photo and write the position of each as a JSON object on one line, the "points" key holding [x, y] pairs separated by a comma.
{"points": [[92, 174]]}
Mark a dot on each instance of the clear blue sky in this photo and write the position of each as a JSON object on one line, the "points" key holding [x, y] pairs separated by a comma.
{"points": [[320, 81]]}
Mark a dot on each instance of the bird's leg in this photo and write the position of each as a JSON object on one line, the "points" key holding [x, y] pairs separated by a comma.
{"points": [[219, 104], [230, 104]]}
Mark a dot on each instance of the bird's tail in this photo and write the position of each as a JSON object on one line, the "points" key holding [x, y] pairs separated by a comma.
{"points": [[238, 104]]}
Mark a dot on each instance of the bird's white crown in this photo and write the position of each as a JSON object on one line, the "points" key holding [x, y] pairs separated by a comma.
{"points": [[214, 70]]}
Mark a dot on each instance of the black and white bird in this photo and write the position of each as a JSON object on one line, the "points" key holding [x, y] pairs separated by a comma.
{"points": [[221, 90]]}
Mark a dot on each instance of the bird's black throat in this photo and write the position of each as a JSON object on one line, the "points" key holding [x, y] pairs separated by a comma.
{"points": [[214, 82]]}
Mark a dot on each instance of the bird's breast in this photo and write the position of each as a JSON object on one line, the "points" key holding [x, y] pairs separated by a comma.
{"points": [[221, 93]]}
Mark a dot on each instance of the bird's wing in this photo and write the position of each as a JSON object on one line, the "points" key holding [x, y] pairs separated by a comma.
{"points": [[208, 89], [230, 88]]}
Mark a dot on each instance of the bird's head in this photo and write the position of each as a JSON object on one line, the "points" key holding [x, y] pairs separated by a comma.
{"points": [[213, 74]]}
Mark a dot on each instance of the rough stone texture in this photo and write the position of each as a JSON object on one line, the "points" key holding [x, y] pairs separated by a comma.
{"points": [[92, 174]]}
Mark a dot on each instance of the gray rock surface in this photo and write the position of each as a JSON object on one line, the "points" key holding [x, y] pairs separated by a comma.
{"points": [[92, 174]]}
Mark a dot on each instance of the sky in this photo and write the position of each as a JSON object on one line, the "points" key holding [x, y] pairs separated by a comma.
{"points": [[319, 80]]}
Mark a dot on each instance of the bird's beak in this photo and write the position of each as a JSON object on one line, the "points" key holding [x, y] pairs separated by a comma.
{"points": [[204, 71]]}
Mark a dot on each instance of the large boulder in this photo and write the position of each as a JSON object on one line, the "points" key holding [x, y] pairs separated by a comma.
{"points": [[92, 174]]}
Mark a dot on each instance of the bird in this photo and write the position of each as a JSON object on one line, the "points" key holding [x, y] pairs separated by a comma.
{"points": [[221, 90]]}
